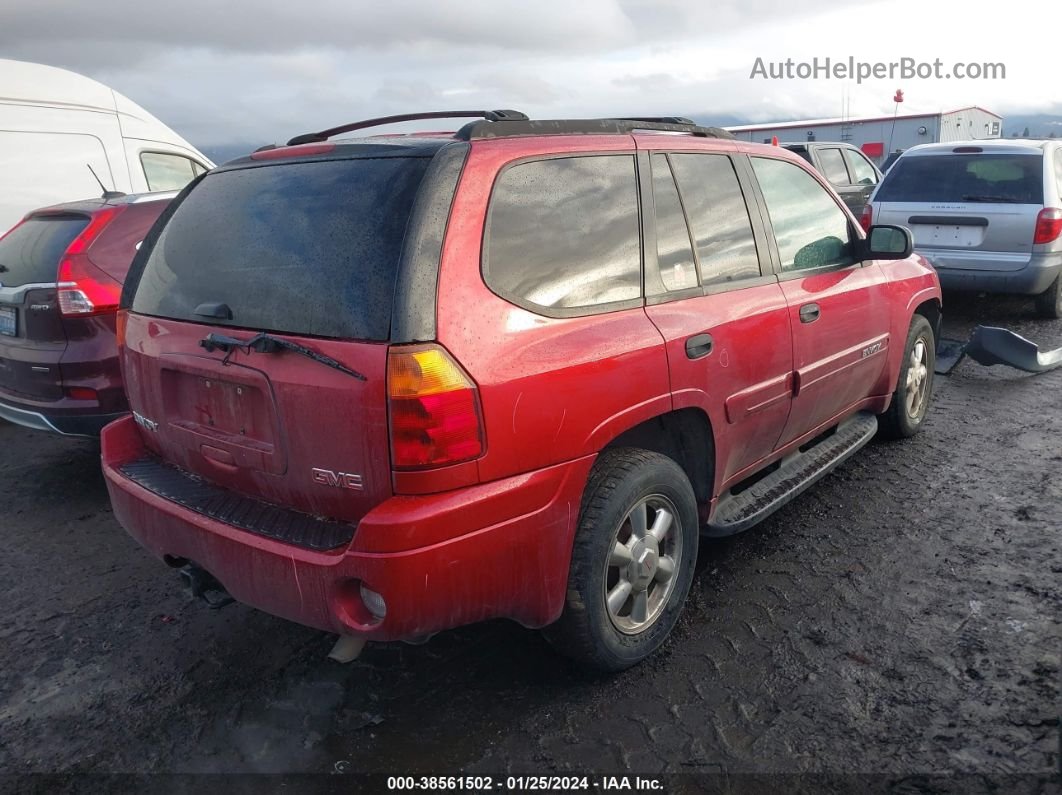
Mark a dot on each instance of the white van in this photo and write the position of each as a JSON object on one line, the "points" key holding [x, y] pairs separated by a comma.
{"points": [[55, 124]]}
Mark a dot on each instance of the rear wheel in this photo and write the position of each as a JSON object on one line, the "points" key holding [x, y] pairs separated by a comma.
{"points": [[914, 387], [632, 562], [1049, 302]]}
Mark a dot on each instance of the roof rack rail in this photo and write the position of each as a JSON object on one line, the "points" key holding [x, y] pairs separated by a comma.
{"points": [[660, 119], [504, 128], [489, 115]]}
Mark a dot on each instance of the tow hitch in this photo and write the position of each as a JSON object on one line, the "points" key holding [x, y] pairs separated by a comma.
{"points": [[989, 345], [205, 586]]}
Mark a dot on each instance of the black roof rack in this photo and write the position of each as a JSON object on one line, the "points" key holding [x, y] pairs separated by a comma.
{"points": [[490, 115], [507, 123], [503, 128]]}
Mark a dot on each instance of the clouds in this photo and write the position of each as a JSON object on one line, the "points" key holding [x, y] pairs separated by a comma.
{"points": [[259, 72], [278, 26]]}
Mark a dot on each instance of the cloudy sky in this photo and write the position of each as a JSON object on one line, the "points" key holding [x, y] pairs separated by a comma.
{"points": [[257, 72]]}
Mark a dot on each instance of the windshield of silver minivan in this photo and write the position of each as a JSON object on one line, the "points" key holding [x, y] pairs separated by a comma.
{"points": [[958, 178]]}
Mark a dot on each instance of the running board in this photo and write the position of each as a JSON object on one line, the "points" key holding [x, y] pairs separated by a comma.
{"points": [[737, 512]]}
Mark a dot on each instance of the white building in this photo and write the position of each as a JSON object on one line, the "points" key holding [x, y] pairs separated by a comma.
{"points": [[878, 136]]}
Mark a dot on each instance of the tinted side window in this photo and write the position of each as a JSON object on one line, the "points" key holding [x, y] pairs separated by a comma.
{"points": [[811, 230], [833, 166], [166, 172], [718, 216], [30, 252], [674, 251], [564, 233], [863, 172]]}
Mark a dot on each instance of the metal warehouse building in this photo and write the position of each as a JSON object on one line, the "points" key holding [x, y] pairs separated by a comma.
{"points": [[878, 136]]}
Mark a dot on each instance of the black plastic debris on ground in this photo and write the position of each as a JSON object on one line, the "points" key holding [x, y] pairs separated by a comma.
{"points": [[990, 345]]}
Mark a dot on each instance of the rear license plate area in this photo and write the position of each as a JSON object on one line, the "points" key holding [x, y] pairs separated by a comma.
{"points": [[947, 236]]}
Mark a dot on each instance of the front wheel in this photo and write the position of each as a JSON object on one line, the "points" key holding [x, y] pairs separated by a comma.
{"points": [[1049, 302], [914, 387], [632, 561]]}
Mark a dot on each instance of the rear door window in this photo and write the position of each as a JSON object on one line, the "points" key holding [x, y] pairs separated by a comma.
{"points": [[862, 171], [304, 248], [811, 230], [30, 253], [962, 178], [1058, 171], [563, 234], [833, 167], [718, 216]]}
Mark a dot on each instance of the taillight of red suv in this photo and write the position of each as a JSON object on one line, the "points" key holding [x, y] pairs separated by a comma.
{"points": [[84, 289], [433, 407], [1048, 226]]}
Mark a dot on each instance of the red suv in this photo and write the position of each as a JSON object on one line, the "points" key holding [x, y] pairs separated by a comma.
{"points": [[392, 385], [61, 274]]}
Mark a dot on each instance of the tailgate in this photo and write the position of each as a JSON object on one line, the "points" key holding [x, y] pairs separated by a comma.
{"points": [[31, 343], [276, 426], [32, 340], [968, 236], [967, 208], [294, 253]]}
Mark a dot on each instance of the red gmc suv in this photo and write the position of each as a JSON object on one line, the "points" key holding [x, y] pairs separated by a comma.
{"points": [[61, 274], [387, 386]]}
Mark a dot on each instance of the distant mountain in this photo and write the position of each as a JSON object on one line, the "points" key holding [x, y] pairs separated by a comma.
{"points": [[720, 120], [1040, 125]]}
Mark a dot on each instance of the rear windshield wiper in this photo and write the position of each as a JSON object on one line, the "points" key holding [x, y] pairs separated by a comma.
{"points": [[993, 199], [266, 343]]}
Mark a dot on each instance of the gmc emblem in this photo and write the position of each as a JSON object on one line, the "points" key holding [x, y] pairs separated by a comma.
{"points": [[339, 480]]}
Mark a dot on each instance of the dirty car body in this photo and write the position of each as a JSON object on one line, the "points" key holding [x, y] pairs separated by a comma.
{"points": [[508, 307]]}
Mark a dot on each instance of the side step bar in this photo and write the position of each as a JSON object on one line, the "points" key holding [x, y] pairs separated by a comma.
{"points": [[737, 512]]}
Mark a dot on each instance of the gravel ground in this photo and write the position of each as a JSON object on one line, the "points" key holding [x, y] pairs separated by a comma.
{"points": [[902, 621]]}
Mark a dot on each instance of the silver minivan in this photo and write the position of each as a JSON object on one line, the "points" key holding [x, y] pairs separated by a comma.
{"points": [[986, 214]]}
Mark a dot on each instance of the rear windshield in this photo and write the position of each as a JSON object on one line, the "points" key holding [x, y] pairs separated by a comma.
{"points": [[1008, 179], [30, 253], [303, 248]]}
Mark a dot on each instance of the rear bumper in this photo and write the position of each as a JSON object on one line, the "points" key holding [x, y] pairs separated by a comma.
{"points": [[1033, 279], [497, 550], [68, 423]]}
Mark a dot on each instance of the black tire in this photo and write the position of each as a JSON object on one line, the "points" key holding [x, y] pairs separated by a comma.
{"points": [[622, 479], [1049, 302], [899, 422]]}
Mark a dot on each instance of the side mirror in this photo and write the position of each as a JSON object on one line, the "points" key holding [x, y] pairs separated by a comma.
{"points": [[887, 242]]}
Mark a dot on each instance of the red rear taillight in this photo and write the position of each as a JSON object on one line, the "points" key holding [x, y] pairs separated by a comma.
{"points": [[433, 407], [80, 393], [1048, 226], [867, 218], [84, 289]]}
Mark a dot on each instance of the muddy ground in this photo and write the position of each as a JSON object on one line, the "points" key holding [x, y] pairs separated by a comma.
{"points": [[901, 620]]}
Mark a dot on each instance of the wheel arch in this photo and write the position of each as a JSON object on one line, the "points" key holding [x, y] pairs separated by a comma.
{"points": [[931, 310], [683, 435]]}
